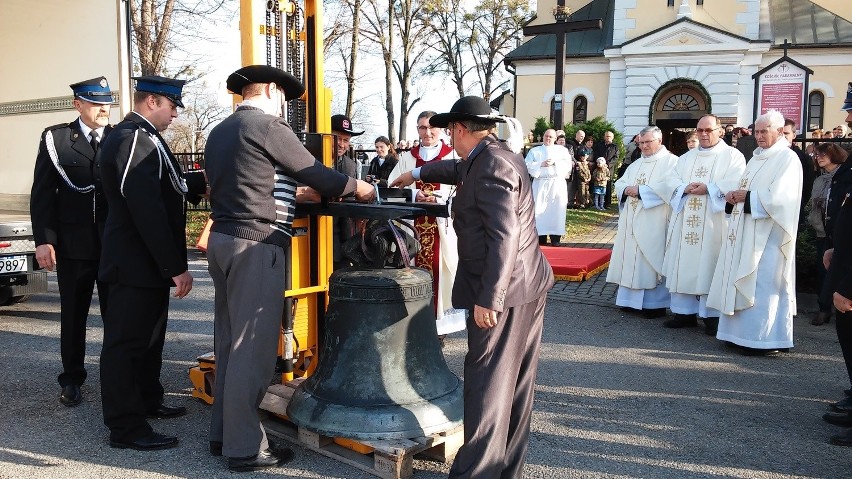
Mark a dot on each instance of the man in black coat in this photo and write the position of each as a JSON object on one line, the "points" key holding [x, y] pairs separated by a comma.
{"points": [[808, 172], [837, 288], [144, 254], [68, 209], [502, 280]]}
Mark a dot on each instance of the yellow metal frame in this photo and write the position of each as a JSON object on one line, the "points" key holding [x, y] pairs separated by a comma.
{"points": [[310, 297]]}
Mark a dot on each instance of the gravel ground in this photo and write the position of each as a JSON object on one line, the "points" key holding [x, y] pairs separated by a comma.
{"points": [[618, 397]]}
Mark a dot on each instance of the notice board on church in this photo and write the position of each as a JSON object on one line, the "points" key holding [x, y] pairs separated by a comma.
{"points": [[783, 86]]}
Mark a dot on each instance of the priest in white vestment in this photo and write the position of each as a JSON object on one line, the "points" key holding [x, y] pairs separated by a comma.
{"points": [[644, 193], [754, 282], [549, 165], [438, 253], [697, 226]]}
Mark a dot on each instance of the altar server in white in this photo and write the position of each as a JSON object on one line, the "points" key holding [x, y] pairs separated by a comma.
{"points": [[697, 227], [549, 165], [754, 282], [644, 193]]}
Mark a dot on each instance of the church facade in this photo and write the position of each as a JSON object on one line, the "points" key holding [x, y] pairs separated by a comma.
{"points": [[668, 62]]}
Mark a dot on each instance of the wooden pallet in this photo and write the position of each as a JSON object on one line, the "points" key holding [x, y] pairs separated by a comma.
{"points": [[389, 459]]}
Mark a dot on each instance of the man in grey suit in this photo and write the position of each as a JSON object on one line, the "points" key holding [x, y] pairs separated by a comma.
{"points": [[502, 279]]}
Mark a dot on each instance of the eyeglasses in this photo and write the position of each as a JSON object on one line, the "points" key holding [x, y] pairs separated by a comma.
{"points": [[705, 130]]}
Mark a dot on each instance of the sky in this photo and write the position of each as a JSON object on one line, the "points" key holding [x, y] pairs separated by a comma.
{"points": [[222, 57]]}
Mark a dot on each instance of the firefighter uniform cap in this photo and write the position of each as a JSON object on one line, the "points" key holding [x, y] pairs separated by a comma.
{"points": [[95, 90], [167, 87]]}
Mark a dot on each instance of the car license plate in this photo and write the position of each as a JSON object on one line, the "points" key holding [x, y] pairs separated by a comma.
{"points": [[13, 264]]}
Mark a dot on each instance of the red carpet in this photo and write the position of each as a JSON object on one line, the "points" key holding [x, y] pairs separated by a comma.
{"points": [[576, 264]]}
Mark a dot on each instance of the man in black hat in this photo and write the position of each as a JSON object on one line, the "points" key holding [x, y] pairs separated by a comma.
{"points": [[254, 161], [68, 209], [144, 254], [344, 228], [502, 280]]}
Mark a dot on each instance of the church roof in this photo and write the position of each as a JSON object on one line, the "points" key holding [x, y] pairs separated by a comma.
{"points": [[805, 23], [589, 43], [802, 22]]}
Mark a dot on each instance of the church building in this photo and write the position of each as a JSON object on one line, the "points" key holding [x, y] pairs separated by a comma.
{"points": [[668, 62]]}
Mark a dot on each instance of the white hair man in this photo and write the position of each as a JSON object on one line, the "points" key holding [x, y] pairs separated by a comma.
{"points": [[643, 194], [753, 285], [549, 165], [702, 176]]}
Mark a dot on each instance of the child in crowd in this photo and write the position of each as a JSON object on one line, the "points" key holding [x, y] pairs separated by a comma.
{"points": [[599, 180], [585, 176]]}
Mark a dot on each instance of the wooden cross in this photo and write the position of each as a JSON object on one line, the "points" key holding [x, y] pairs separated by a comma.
{"points": [[560, 29]]}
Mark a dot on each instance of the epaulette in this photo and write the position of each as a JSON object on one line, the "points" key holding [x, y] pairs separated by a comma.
{"points": [[56, 127]]}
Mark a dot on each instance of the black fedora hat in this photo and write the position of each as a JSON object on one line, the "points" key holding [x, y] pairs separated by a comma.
{"points": [[290, 85], [344, 124], [467, 108]]}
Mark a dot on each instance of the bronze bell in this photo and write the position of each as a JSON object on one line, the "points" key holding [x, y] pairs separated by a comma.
{"points": [[381, 373]]}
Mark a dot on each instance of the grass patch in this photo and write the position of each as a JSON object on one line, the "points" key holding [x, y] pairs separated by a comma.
{"points": [[583, 221], [195, 221]]}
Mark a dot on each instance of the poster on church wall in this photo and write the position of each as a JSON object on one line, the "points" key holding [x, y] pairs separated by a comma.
{"points": [[783, 88]]}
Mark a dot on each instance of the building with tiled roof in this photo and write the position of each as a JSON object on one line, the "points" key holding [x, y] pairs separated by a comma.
{"points": [[667, 62]]}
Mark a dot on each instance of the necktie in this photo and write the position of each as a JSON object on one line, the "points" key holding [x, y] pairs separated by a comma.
{"points": [[94, 140]]}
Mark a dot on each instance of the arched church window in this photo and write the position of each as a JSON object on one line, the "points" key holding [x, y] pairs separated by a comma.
{"points": [[581, 107], [681, 102], [816, 100]]}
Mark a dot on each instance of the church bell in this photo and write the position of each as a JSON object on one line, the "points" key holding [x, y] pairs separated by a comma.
{"points": [[381, 373]]}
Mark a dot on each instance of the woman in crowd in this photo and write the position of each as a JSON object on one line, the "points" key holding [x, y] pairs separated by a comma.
{"points": [[384, 162], [826, 197]]}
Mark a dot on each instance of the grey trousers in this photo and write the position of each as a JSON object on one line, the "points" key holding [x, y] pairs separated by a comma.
{"points": [[499, 381], [248, 278]]}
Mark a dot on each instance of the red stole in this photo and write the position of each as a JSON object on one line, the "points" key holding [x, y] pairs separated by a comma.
{"points": [[429, 256]]}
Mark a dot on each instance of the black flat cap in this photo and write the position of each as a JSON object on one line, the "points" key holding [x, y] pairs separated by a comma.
{"points": [[467, 108], [167, 87], [247, 75]]}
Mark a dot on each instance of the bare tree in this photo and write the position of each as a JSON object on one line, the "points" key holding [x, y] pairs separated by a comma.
{"points": [[496, 29], [161, 27], [448, 23], [413, 33], [188, 133], [353, 56], [380, 30], [473, 41]]}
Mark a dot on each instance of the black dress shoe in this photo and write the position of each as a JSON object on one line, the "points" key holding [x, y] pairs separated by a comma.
{"points": [[838, 418], [682, 321], [216, 448], [745, 351], [654, 313], [152, 442], [844, 405], [166, 412], [71, 395], [842, 439], [711, 326], [262, 460]]}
